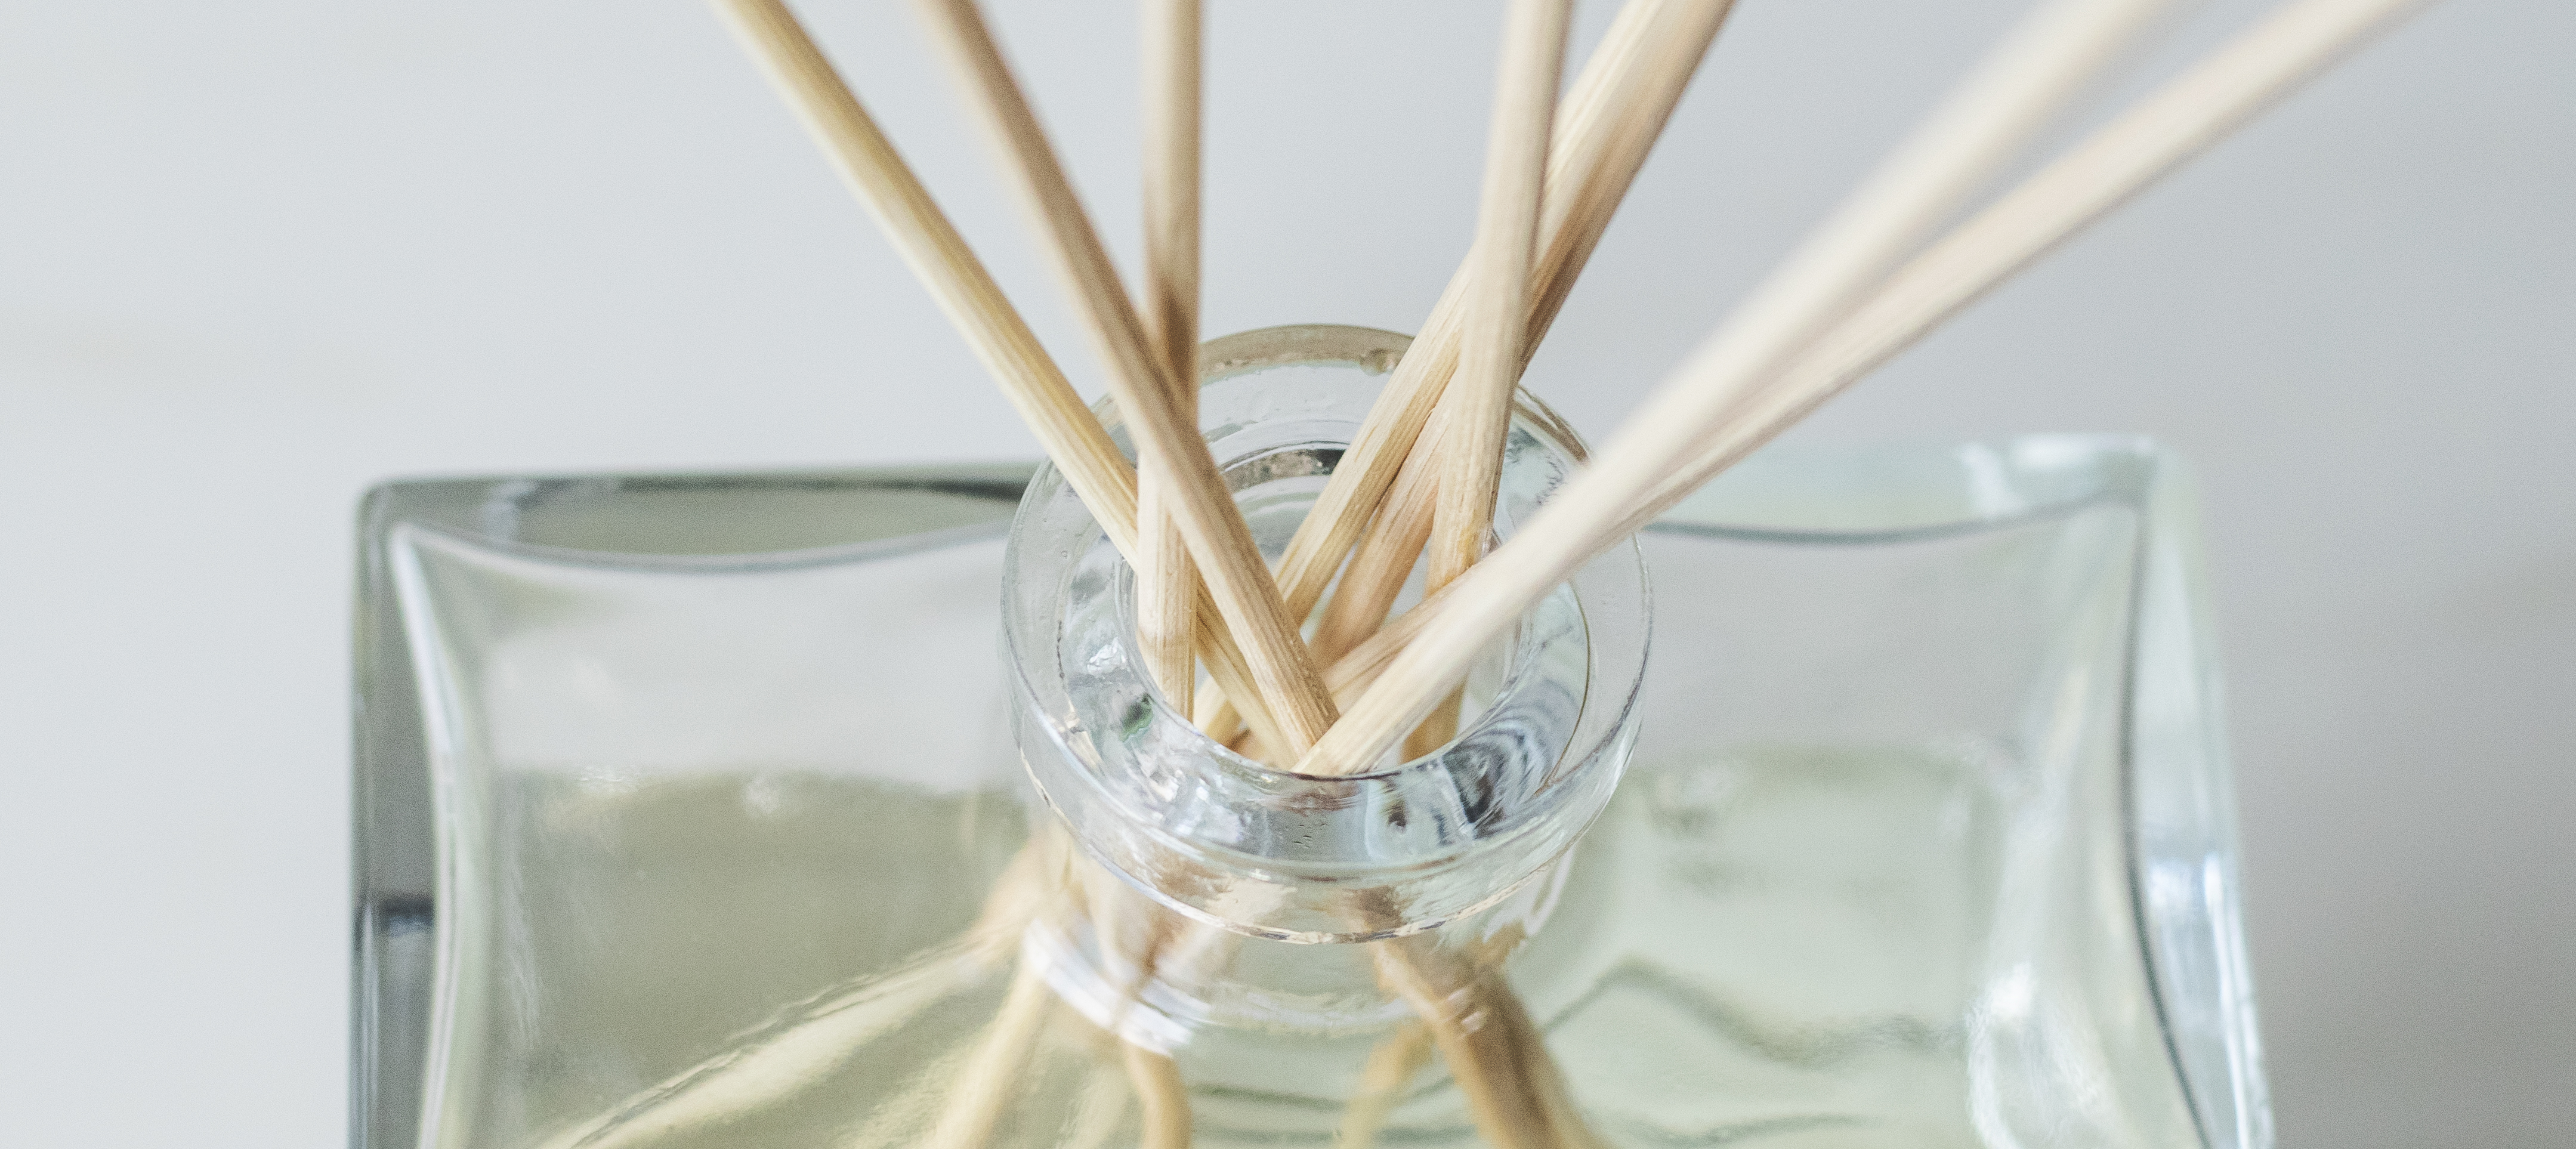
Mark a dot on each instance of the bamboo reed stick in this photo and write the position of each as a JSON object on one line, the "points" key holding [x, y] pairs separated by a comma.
{"points": [[1605, 128], [1166, 580], [2093, 27], [2152, 138], [1384, 558], [1607, 140], [1604, 135], [939, 256], [1391, 1064], [1219, 542], [1718, 408], [1476, 407], [2006, 99], [1174, 50], [1603, 138], [1488, 1058], [1139, 930], [985, 1077], [1496, 1064], [1369, 466], [1356, 670], [1161, 1095], [1478, 401]]}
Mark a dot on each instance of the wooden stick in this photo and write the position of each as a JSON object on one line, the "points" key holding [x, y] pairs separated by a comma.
{"points": [[1727, 408], [1589, 102], [985, 1079], [1162, 1096], [1355, 670], [1603, 140], [1488, 1061], [1605, 128], [2006, 99], [926, 240], [1167, 589], [1174, 47], [1166, 581], [1478, 401], [1219, 541], [1098, 1111], [1605, 134], [1626, 91], [1384, 558], [1477, 406], [1391, 1064], [1359, 647], [2157, 135], [964, 290], [1117, 916], [2090, 28]]}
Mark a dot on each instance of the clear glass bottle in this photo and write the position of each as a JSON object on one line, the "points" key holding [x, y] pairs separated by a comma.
{"points": [[696, 810]]}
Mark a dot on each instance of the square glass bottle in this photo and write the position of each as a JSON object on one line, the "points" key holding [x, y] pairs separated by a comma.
{"points": [[678, 797]]}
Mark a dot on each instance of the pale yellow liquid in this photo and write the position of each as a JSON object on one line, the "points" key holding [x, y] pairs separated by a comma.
{"points": [[1780, 948]]}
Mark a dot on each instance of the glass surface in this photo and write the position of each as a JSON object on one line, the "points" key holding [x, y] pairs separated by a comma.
{"points": [[613, 734], [678, 798]]}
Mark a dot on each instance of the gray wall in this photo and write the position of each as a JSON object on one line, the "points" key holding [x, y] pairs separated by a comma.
{"points": [[259, 254]]}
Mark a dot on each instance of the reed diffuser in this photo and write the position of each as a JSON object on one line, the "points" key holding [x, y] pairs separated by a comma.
{"points": [[1325, 648]]}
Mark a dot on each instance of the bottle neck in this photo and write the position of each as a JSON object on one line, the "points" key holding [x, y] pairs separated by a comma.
{"points": [[1247, 847]]}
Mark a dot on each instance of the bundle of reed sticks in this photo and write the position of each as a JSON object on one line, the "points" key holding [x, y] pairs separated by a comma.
{"points": [[1336, 687]]}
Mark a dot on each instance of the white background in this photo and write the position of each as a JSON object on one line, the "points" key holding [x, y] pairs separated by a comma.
{"points": [[256, 255]]}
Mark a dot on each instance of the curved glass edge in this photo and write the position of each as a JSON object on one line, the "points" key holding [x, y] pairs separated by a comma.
{"points": [[2184, 821], [662, 520], [2182, 853]]}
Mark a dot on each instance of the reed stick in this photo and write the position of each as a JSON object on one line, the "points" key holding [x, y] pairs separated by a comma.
{"points": [[1391, 1063], [1493, 1064], [966, 292], [1098, 1113], [1477, 404], [1219, 542], [2093, 28], [2155, 136], [1175, 46], [938, 255], [2008, 97], [985, 1078], [1166, 580], [1724, 401], [1605, 133], [1489, 1059], [1609, 129], [1606, 126], [1117, 916], [1384, 558], [1161, 1095], [1370, 464], [1478, 401]]}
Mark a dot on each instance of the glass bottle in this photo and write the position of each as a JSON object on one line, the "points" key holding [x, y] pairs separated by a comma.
{"points": [[697, 810]]}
